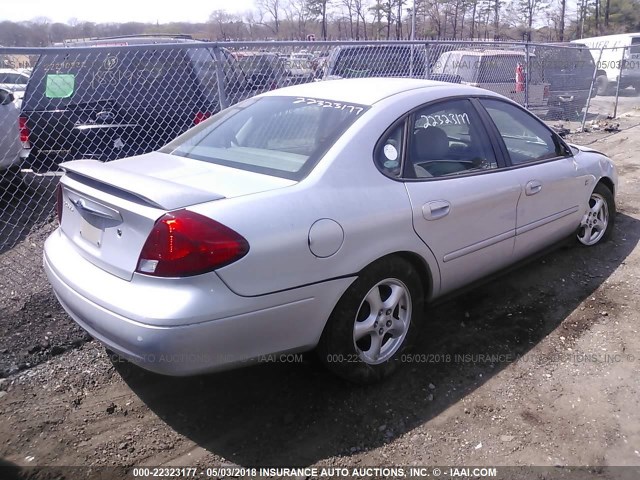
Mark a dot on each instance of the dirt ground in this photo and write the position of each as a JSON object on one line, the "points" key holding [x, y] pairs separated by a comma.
{"points": [[537, 367]]}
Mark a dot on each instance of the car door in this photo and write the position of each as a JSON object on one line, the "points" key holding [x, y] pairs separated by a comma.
{"points": [[553, 185], [463, 203]]}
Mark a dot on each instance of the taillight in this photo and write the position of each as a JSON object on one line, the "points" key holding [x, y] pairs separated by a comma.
{"points": [[546, 92], [24, 131], [59, 202], [185, 243], [201, 117]]}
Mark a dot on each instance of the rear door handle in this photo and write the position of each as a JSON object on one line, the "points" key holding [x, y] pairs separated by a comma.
{"points": [[533, 187], [436, 209]]}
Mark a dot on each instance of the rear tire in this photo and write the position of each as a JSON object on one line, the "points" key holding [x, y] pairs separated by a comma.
{"points": [[374, 322]]}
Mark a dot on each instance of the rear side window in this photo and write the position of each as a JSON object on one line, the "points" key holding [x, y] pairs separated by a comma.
{"points": [[502, 69], [280, 136], [499, 69], [60, 85], [447, 138], [468, 67]]}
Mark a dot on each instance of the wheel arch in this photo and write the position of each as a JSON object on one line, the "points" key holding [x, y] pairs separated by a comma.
{"points": [[421, 266], [607, 182]]}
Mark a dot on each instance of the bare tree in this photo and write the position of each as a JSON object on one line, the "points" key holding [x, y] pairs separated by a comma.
{"points": [[360, 7], [318, 9], [529, 9], [272, 7], [297, 14], [563, 9], [350, 6], [225, 25]]}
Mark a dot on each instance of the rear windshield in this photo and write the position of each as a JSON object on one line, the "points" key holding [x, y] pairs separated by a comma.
{"points": [[556, 59], [139, 77], [279, 136], [387, 61], [259, 63]]}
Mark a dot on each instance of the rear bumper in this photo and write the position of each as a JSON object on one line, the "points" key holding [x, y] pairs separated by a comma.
{"points": [[187, 330], [569, 97]]}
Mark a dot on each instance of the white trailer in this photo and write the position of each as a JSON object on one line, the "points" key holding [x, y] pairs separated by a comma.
{"points": [[617, 59]]}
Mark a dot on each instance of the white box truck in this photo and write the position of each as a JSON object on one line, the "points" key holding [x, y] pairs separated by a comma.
{"points": [[617, 60]]}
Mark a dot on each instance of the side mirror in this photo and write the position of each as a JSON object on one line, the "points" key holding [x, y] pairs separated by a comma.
{"points": [[6, 97]]}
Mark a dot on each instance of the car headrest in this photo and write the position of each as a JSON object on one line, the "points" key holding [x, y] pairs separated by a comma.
{"points": [[431, 143]]}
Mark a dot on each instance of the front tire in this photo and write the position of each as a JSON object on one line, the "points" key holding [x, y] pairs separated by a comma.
{"points": [[597, 223], [374, 322]]}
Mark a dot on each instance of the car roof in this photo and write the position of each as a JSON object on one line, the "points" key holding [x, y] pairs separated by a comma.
{"points": [[12, 70], [126, 40], [367, 91], [384, 45], [483, 53], [253, 53]]}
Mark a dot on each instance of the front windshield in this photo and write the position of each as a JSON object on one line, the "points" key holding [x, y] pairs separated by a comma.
{"points": [[280, 136]]}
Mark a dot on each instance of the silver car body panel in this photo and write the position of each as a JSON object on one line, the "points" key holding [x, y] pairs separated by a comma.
{"points": [[308, 239], [10, 145], [183, 328]]}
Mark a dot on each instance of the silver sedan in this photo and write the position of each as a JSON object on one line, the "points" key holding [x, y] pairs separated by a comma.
{"points": [[321, 216]]}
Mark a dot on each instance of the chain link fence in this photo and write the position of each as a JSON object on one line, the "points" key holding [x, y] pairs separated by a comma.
{"points": [[112, 98]]}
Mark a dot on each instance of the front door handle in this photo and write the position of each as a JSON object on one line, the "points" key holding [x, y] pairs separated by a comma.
{"points": [[533, 187], [436, 209]]}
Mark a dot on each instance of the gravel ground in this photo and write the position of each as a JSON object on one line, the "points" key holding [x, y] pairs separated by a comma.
{"points": [[537, 367]]}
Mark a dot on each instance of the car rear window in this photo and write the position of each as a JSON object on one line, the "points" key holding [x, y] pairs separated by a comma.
{"points": [[259, 63], [556, 59], [279, 136], [144, 77], [387, 61]]}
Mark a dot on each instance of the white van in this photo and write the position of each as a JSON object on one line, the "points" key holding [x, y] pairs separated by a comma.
{"points": [[495, 70], [617, 59]]}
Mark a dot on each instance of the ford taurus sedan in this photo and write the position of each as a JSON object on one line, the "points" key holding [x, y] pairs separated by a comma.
{"points": [[321, 216]]}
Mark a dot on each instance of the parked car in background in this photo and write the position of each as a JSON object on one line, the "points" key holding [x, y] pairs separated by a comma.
{"points": [[298, 70], [321, 216], [387, 60], [9, 140], [569, 71], [109, 103], [263, 70], [13, 80], [353, 61], [496, 70], [303, 55]]}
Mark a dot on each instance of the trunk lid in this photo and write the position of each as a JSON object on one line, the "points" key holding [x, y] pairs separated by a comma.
{"points": [[109, 209]]}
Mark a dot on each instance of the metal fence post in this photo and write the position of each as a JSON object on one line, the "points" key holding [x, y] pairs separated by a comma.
{"points": [[615, 105], [593, 81], [527, 77], [220, 78], [427, 70]]}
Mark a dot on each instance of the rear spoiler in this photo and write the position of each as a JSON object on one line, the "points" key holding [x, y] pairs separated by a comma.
{"points": [[155, 192]]}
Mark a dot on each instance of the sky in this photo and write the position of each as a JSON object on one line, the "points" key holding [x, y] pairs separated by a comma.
{"points": [[120, 11]]}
